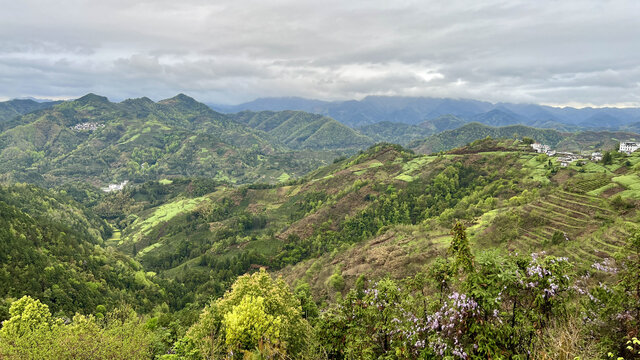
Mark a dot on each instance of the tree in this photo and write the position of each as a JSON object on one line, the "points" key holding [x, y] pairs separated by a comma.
{"points": [[32, 333], [527, 140], [460, 249], [607, 158], [259, 316]]}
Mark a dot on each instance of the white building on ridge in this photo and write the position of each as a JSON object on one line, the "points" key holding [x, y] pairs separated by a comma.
{"points": [[629, 146]]}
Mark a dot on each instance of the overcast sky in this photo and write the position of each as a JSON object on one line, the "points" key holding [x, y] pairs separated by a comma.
{"points": [[574, 52]]}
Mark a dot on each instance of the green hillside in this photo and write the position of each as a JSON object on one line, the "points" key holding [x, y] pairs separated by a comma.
{"points": [[575, 142], [56, 248], [365, 240], [13, 108], [301, 130], [92, 139], [397, 133]]}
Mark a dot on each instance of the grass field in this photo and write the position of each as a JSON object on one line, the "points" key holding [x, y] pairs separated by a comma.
{"points": [[631, 183], [163, 213]]}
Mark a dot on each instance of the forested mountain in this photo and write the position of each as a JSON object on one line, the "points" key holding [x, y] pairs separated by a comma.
{"points": [[92, 139], [401, 133], [410, 110], [302, 130], [393, 132], [52, 248], [561, 141], [9, 110]]}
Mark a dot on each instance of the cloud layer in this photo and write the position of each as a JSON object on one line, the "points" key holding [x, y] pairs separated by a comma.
{"points": [[555, 52]]}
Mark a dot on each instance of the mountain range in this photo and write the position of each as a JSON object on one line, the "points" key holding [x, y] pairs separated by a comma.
{"points": [[414, 110], [93, 139]]}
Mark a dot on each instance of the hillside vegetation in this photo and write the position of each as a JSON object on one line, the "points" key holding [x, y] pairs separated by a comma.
{"points": [[487, 251], [55, 247], [92, 139], [561, 141], [300, 130]]}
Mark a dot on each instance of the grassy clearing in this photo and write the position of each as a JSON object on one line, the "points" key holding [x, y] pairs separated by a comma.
{"points": [[405, 177], [600, 190], [417, 163], [591, 167], [284, 177], [165, 181], [147, 249], [116, 237], [412, 166], [164, 213], [483, 222]]}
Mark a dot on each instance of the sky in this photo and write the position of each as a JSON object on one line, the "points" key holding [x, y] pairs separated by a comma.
{"points": [[565, 52]]}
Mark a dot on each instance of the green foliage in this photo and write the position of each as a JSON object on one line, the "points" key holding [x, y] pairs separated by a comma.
{"points": [[32, 333], [607, 159], [51, 244], [300, 130], [140, 140], [259, 315], [460, 250], [336, 281], [557, 238]]}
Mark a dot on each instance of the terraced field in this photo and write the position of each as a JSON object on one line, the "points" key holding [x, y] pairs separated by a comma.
{"points": [[576, 216]]}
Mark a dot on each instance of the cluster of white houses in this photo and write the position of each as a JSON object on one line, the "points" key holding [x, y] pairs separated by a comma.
{"points": [[566, 158], [87, 126]]}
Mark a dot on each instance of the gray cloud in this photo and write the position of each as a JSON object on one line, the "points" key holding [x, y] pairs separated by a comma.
{"points": [[555, 52]]}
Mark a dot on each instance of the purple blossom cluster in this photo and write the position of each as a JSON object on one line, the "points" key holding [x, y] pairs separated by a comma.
{"points": [[607, 265], [450, 323]]}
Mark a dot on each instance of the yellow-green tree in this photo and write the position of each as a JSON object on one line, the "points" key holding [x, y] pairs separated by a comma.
{"points": [[259, 316], [32, 333]]}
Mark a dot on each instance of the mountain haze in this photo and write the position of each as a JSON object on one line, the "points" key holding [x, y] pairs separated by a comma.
{"points": [[414, 110]]}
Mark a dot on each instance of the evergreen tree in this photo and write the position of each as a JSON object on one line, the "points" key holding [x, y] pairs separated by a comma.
{"points": [[460, 249]]}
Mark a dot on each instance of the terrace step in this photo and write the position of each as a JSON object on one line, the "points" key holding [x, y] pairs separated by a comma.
{"points": [[577, 203], [553, 212], [560, 206], [543, 213], [605, 246]]}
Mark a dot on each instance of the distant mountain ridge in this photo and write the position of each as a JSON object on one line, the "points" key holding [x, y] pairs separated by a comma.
{"points": [[561, 141], [13, 108], [303, 130], [414, 110]]}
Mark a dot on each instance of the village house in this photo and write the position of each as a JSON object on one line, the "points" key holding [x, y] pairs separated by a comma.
{"points": [[566, 158], [540, 148], [115, 187], [629, 146], [596, 156]]}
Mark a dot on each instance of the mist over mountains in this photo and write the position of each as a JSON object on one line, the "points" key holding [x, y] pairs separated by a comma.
{"points": [[414, 110]]}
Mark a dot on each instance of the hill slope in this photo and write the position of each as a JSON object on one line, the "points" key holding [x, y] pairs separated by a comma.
{"points": [[562, 141], [357, 212], [92, 139], [54, 246], [301, 130], [13, 108]]}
